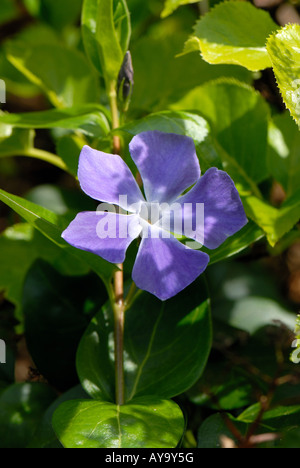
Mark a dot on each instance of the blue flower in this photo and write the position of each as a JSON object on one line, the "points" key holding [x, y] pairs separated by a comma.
{"points": [[168, 166]]}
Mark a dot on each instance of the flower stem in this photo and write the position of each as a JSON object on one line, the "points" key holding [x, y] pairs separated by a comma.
{"points": [[118, 299]]}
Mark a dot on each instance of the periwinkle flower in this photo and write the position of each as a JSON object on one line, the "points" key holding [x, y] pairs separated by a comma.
{"points": [[168, 166]]}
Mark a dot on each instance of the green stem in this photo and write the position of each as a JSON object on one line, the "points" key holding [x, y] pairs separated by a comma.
{"points": [[118, 300]]}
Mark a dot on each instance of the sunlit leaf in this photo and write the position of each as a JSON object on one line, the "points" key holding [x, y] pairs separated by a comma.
{"points": [[284, 51], [143, 423], [234, 32]]}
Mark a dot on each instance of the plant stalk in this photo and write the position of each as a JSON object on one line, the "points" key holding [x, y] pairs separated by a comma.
{"points": [[118, 299]]}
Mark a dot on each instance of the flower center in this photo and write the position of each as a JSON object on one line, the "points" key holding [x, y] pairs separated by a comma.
{"points": [[150, 212]]}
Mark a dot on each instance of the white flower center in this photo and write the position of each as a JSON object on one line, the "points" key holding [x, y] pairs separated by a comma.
{"points": [[150, 212]]}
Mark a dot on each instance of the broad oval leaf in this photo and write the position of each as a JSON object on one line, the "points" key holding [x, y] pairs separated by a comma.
{"points": [[234, 32], [284, 51], [157, 335], [238, 117], [143, 423]]}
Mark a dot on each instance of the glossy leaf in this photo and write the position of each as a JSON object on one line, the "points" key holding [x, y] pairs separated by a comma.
{"points": [[283, 48], [274, 221], [90, 119], [45, 436], [234, 32], [164, 77], [143, 423], [181, 123], [178, 330], [63, 74], [52, 225], [238, 116], [22, 407], [236, 244], [277, 418]]}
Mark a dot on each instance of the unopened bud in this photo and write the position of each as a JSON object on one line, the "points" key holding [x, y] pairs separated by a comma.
{"points": [[125, 81]]}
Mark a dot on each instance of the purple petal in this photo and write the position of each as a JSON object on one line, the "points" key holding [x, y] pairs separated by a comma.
{"points": [[164, 266], [105, 234], [105, 177], [168, 164], [224, 213]]}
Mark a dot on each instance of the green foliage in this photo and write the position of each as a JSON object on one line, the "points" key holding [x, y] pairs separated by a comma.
{"points": [[212, 367], [71, 301], [155, 331], [172, 5], [283, 48], [146, 422], [106, 34], [22, 407], [61, 73], [233, 32]]}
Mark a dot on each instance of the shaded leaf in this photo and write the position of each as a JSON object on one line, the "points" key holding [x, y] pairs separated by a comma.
{"points": [[178, 330], [57, 310], [22, 407]]}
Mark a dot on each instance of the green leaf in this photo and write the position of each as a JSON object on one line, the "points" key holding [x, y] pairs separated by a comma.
{"points": [[60, 14], [275, 419], [247, 298], [45, 436], [236, 244], [90, 119], [214, 427], [283, 48], [8, 11], [68, 149], [275, 222], [222, 388], [106, 33], [177, 331], [181, 123], [63, 74], [161, 77], [20, 246], [22, 407], [143, 423], [234, 32], [172, 5], [57, 310], [17, 142], [238, 116], [52, 226], [284, 152]]}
